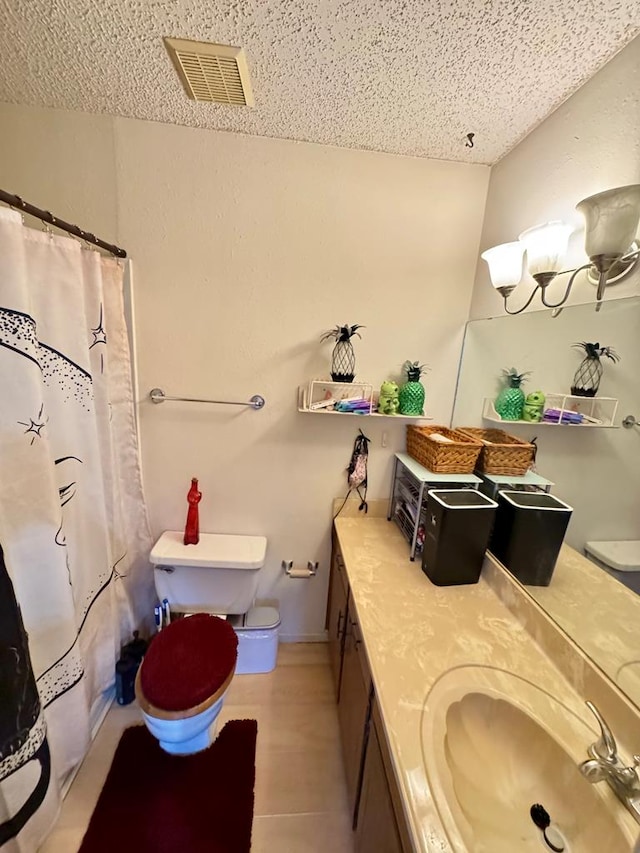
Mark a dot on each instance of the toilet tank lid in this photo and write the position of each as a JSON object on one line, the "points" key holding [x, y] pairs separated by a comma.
{"points": [[214, 550], [622, 555]]}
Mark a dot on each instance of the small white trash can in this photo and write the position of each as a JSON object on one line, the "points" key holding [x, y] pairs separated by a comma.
{"points": [[257, 640]]}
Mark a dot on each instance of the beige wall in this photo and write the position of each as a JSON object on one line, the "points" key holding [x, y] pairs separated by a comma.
{"points": [[63, 162], [245, 250], [591, 143]]}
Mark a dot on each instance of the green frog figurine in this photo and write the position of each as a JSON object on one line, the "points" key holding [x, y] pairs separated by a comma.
{"points": [[533, 407], [388, 402]]}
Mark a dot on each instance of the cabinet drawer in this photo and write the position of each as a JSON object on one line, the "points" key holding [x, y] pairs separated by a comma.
{"points": [[340, 570], [358, 644]]}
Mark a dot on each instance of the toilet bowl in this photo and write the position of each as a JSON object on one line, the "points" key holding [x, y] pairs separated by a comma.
{"points": [[182, 681], [619, 558]]}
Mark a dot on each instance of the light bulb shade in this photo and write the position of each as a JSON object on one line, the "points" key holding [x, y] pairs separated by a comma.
{"points": [[611, 220], [505, 264], [546, 246]]}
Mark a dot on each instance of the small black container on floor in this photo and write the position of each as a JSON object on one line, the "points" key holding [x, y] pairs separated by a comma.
{"points": [[457, 528], [528, 534], [127, 669]]}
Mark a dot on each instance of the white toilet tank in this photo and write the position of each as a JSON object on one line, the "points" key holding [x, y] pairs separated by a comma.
{"points": [[218, 575]]}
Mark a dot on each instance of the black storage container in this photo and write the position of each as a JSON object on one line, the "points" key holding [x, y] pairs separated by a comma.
{"points": [[528, 534], [127, 669], [457, 529]]}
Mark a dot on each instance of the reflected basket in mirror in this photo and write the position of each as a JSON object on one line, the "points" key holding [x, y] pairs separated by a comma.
{"points": [[501, 452], [443, 450]]}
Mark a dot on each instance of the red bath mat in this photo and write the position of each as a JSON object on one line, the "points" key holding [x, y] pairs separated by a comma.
{"points": [[153, 802]]}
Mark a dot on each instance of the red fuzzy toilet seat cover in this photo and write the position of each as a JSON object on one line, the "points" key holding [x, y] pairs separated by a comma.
{"points": [[188, 662]]}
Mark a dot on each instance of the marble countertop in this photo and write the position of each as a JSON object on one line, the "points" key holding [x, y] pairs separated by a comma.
{"points": [[414, 632]]}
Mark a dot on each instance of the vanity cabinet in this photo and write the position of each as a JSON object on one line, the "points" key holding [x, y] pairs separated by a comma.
{"points": [[374, 798]]}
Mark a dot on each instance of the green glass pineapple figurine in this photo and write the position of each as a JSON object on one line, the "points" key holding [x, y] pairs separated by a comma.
{"points": [[412, 393], [509, 403]]}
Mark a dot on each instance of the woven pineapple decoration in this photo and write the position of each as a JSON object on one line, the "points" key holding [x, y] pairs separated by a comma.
{"points": [[343, 358], [589, 373]]}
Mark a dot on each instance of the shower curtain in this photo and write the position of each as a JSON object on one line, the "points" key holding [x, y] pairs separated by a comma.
{"points": [[74, 535]]}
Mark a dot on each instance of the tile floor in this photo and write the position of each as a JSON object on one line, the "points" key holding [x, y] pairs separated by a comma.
{"points": [[300, 797]]}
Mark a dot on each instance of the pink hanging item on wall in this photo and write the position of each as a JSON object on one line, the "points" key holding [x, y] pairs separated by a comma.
{"points": [[192, 528]]}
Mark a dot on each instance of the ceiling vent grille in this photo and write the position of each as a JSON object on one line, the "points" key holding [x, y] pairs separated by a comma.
{"points": [[212, 72]]}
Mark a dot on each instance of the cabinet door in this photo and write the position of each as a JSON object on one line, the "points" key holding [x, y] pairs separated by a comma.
{"points": [[353, 708], [336, 618], [337, 621], [377, 831]]}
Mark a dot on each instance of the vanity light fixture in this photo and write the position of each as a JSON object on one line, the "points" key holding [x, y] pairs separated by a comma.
{"points": [[611, 224]]}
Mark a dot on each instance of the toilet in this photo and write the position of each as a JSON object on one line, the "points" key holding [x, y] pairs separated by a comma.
{"points": [[619, 558], [181, 683]]}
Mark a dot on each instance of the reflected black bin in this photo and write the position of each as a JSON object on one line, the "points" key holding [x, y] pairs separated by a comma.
{"points": [[457, 529], [528, 533]]}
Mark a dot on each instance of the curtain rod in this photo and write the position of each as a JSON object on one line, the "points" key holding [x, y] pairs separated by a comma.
{"points": [[45, 216]]}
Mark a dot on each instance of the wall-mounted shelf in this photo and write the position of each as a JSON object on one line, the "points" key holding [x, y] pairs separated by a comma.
{"points": [[314, 393], [599, 412], [365, 415]]}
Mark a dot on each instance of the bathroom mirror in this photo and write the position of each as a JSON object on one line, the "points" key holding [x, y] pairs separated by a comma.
{"points": [[595, 470]]}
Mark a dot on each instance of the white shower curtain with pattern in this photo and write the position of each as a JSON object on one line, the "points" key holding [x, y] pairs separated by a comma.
{"points": [[74, 534]]}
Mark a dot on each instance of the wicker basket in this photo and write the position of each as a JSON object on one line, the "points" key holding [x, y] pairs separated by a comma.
{"points": [[457, 456], [501, 453]]}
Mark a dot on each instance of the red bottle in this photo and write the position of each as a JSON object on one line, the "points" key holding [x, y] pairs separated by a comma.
{"points": [[192, 529]]}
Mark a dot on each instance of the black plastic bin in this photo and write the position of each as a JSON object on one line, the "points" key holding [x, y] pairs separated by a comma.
{"points": [[528, 533], [457, 529]]}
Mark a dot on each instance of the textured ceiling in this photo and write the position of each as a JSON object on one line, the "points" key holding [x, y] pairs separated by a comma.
{"points": [[401, 76]]}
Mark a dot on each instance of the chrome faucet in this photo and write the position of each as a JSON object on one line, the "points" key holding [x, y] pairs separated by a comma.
{"points": [[605, 765]]}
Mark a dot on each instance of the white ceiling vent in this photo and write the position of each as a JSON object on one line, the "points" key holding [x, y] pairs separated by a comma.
{"points": [[212, 72]]}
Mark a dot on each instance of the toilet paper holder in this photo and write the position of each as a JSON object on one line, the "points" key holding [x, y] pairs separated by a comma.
{"points": [[309, 572]]}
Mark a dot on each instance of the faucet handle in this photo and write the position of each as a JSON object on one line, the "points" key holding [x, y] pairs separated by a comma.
{"points": [[605, 747]]}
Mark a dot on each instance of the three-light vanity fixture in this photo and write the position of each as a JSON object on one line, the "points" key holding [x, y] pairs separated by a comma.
{"points": [[611, 226]]}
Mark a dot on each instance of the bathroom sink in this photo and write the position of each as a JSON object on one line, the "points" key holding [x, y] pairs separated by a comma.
{"points": [[494, 745]]}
